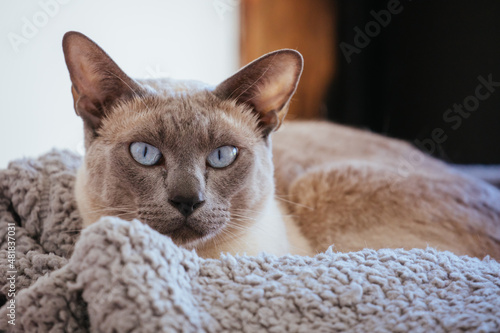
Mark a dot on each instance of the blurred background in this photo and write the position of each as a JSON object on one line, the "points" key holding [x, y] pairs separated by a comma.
{"points": [[424, 71], [192, 39]]}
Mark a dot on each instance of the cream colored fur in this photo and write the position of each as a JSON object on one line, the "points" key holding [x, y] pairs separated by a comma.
{"points": [[273, 232], [374, 192]]}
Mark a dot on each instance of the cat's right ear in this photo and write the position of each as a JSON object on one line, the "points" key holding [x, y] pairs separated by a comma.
{"points": [[97, 82], [266, 85]]}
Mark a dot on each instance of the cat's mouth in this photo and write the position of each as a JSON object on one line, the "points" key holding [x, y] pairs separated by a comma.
{"points": [[187, 232]]}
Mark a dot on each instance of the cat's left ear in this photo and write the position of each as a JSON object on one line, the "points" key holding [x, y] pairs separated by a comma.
{"points": [[267, 85]]}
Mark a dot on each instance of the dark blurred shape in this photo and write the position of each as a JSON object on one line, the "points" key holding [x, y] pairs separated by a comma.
{"points": [[419, 77]]}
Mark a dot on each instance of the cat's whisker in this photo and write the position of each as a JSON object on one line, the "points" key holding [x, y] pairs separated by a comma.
{"points": [[239, 227], [123, 208], [244, 224], [228, 235], [214, 241], [234, 226], [234, 235], [294, 203], [72, 230], [257, 211], [244, 219], [246, 227], [243, 216], [111, 210], [282, 195], [246, 210], [119, 214]]}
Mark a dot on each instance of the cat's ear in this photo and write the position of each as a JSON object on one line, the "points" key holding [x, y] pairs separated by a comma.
{"points": [[97, 82], [267, 85]]}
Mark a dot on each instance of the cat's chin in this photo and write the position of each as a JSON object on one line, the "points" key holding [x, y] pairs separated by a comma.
{"points": [[188, 237]]}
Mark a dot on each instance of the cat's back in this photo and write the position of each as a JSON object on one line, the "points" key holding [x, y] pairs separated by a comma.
{"points": [[301, 145]]}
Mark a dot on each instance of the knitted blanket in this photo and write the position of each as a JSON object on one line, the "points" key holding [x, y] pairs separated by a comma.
{"points": [[126, 277]]}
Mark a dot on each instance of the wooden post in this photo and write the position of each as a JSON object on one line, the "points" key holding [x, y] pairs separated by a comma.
{"points": [[307, 26]]}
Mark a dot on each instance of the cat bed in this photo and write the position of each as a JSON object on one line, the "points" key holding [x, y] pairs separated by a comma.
{"points": [[125, 277]]}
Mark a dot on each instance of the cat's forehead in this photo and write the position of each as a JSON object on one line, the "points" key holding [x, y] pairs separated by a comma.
{"points": [[188, 118]]}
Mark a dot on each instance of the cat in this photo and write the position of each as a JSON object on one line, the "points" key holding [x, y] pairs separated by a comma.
{"points": [[197, 163], [192, 162]]}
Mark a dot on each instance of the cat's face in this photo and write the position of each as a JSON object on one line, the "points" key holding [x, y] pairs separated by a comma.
{"points": [[194, 163], [186, 130]]}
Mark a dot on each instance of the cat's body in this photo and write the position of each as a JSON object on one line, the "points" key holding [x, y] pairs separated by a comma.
{"points": [[195, 163], [358, 190]]}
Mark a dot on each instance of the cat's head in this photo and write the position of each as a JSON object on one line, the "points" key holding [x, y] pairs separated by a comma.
{"points": [[191, 161]]}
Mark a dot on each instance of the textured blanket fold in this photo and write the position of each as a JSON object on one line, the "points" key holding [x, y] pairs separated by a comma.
{"points": [[125, 277]]}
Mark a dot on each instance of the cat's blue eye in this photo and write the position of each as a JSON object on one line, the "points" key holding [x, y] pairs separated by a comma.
{"points": [[222, 156], [145, 153]]}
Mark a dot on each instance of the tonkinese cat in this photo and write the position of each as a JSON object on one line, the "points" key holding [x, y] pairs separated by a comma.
{"points": [[195, 163]]}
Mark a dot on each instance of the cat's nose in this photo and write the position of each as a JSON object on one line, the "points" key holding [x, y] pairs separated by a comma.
{"points": [[187, 205]]}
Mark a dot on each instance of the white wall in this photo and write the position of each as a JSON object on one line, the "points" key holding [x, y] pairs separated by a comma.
{"points": [[192, 39]]}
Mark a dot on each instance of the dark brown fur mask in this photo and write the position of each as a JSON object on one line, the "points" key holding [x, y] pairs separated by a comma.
{"points": [[192, 190]]}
